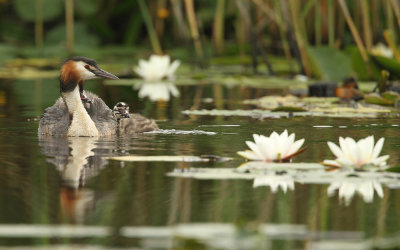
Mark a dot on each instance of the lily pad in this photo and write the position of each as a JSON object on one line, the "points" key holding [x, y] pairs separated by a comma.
{"points": [[360, 111], [334, 65], [288, 109], [305, 173], [374, 98], [391, 96], [165, 158], [389, 64]]}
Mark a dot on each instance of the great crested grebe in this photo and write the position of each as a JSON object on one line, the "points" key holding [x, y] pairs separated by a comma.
{"points": [[77, 114], [132, 123]]}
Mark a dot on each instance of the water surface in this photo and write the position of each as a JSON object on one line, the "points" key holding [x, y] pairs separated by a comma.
{"points": [[60, 182]]}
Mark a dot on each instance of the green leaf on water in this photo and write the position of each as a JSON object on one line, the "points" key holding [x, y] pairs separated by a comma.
{"points": [[389, 64], [391, 96], [289, 109], [374, 98], [165, 158], [363, 71], [394, 169], [334, 65]]}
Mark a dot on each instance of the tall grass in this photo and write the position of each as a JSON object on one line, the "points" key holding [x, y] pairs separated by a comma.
{"points": [[254, 28], [69, 23]]}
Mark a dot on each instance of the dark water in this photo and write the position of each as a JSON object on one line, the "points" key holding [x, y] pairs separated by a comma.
{"points": [[58, 183]]}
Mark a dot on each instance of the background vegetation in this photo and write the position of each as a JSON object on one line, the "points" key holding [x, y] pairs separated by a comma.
{"points": [[329, 39]]}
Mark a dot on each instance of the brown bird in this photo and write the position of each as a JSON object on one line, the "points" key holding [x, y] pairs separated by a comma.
{"points": [[349, 90]]}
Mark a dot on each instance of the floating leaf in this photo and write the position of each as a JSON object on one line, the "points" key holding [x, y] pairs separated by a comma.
{"points": [[260, 165], [333, 64], [364, 71], [374, 98], [389, 64], [165, 158], [391, 96], [288, 109]]}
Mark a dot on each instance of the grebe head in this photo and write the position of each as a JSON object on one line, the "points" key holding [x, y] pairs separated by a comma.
{"points": [[121, 110], [74, 72], [78, 69]]}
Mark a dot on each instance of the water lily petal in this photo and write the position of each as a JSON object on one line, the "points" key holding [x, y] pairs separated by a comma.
{"points": [[249, 155], [173, 90], [378, 188], [380, 161], [366, 190], [332, 188], [378, 148], [255, 149], [172, 68], [350, 151], [336, 150], [293, 148], [347, 191]]}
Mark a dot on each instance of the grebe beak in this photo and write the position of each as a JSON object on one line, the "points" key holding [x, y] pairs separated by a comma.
{"points": [[102, 73]]}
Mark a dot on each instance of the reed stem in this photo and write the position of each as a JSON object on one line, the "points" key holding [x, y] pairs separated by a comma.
{"points": [[389, 17], [69, 23], [240, 29], [318, 34], [283, 33], [366, 24], [194, 29], [331, 23], [150, 27], [299, 39], [388, 35], [180, 21], [218, 29], [396, 11], [353, 30], [161, 7], [39, 24]]}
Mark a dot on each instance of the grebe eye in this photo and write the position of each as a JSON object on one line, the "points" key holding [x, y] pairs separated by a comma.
{"points": [[87, 67]]}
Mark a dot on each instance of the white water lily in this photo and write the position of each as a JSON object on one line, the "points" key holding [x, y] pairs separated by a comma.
{"points": [[382, 50], [285, 182], [357, 154], [276, 147], [157, 91], [157, 68], [350, 186]]}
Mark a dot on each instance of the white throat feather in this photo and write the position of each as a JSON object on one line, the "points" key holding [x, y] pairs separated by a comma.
{"points": [[80, 124]]}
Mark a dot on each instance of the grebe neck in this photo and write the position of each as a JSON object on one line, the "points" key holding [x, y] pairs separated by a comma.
{"points": [[80, 122]]}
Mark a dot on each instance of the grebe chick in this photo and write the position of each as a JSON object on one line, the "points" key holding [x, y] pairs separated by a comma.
{"points": [[74, 113], [121, 110], [132, 123]]}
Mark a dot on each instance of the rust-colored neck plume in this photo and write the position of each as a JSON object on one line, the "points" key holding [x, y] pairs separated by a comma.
{"points": [[69, 77]]}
